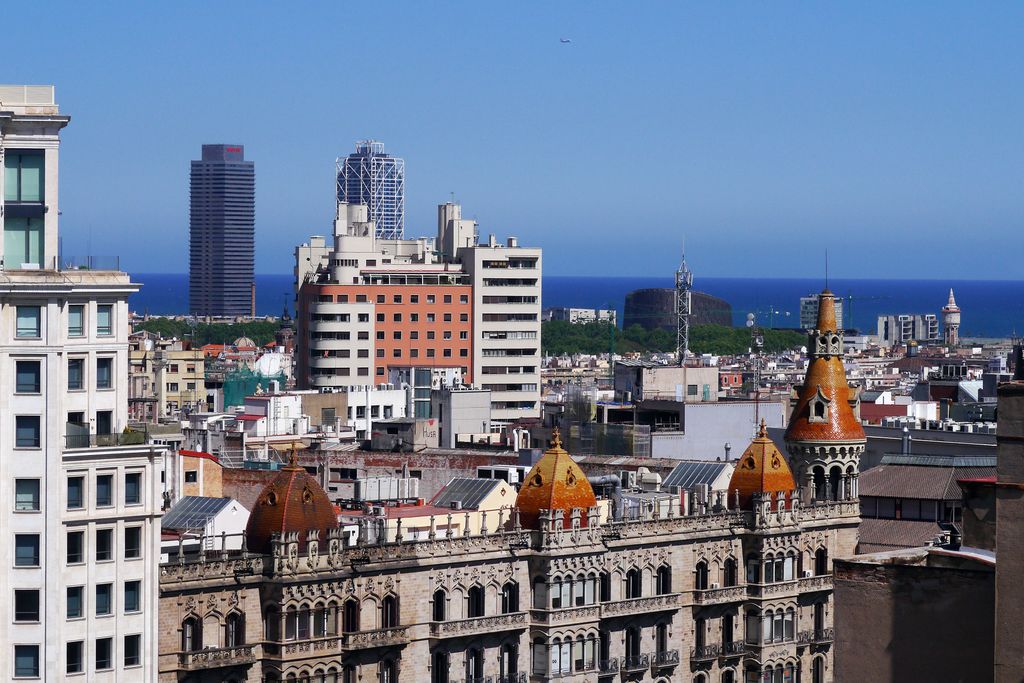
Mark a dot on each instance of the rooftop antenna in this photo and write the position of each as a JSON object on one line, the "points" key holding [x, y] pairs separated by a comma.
{"points": [[684, 287]]}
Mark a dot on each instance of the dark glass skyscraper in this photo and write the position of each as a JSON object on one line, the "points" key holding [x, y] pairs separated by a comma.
{"points": [[369, 176], [221, 232]]}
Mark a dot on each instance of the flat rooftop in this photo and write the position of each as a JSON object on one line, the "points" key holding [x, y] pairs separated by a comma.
{"points": [[28, 99]]}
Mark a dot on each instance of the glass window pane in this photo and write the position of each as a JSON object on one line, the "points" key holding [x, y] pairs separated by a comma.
{"points": [[104, 490], [11, 176], [132, 646], [26, 550], [104, 367], [28, 321], [74, 602], [104, 315], [26, 661], [103, 599], [76, 492], [76, 547], [74, 658], [132, 488], [27, 379], [26, 494], [132, 590], [31, 178], [76, 321], [26, 431], [75, 368]]}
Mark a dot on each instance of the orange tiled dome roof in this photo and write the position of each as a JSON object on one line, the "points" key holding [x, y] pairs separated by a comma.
{"points": [[292, 501], [761, 469], [825, 380], [556, 482]]}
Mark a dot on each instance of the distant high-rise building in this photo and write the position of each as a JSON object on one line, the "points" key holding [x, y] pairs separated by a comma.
{"points": [[221, 232], [809, 311], [371, 177]]}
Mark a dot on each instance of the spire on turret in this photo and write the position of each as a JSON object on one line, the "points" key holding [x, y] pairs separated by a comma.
{"points": [[951, 321]]}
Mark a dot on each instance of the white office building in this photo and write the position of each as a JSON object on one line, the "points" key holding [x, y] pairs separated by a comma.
{"points": [[79, 518]]}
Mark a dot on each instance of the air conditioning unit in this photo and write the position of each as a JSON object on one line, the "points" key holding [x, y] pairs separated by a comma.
{"points": [[715, 586], [807, 574]]}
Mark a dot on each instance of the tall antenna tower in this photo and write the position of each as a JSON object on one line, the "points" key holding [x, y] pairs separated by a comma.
{"points": [[684, 291]]}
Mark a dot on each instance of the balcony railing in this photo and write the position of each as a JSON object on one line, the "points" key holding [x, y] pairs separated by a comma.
{"points": [[381, 637], [520, 677], [705, 653], [665, 658], [217, 657], [818, 635], [475, 625], [608, 667], [737, 648], [113, 439], [715, 596], [654, 603], [764, 590], [821, 582], [636, 662], [566, 615]]}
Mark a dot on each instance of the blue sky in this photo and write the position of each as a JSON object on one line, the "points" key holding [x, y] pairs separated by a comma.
{"points": [[762, 132]]}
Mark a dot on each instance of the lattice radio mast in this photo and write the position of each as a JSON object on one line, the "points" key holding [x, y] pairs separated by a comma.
{"points": [[684, 291]]}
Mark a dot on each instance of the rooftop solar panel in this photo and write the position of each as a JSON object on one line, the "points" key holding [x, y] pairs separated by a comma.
{"points": [[466, 489], [686, 475], [193, 512]]}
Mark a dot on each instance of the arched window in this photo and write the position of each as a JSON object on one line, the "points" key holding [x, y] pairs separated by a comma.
{"points": [[701, 580], [234, 630], [579, 661], [632, 641], [661, 639], [820, 488], [331, 676], [753, 569], [191, 635], [539, 657], [439, 667], [606, 587], [291, 622], [319, 621], [578, 585], [389, 612], [508, 662], [700, 629], [664, 580], [818, 670], [387, 671], [633, 589], [700, 678], [727, 630], [590, 652], [302, 624], [590, 593], [510, 598], [769, 568], [474, 665], [729, 573], [789, 625], [475, 602], [350, 616], [821, 562], [728, 676], [835, 477], [271, 624], [440, 605]]}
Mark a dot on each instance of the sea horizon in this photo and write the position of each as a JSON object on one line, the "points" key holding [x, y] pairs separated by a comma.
{"points": [[991, 308]]}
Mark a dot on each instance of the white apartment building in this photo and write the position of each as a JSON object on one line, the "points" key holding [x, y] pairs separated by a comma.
{"points": [[79, 514], [368, 305]]}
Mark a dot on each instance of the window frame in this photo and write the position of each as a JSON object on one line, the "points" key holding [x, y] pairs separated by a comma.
{"points": [[37, 332], [37, 498], [37, 387], [38, 436], [108, 329], [78, 331]]}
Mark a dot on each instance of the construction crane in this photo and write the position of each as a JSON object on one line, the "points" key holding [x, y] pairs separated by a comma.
{"points": [[850, 298]]}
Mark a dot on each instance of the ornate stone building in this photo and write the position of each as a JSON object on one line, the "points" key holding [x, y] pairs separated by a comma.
{"points": [[735, 589]]}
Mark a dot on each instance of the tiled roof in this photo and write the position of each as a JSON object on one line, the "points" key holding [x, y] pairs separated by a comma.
{"points": [[914, 481], [879, 535]]}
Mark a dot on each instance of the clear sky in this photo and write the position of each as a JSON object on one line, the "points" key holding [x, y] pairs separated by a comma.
{"points": [[892, 133]]}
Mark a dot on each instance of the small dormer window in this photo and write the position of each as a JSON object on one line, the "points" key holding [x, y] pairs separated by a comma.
{"points": [[819, 406]]}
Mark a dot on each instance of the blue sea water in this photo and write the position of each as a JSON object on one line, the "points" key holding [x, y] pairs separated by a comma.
{"points": [[989, 308]]}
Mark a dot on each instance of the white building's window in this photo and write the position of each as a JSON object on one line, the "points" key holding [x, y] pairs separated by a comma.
{"points": [[104, 653], [76, 320], [26, 550], [104, 595], [104, 320], [28, 376], [26, 431], [26, 661], [132, 596], [132, 650], [26, 605], [28, 324], [76, 493], [26, 495], [104, 490], [132, 542], [76, 372], [76, 547], [104, 545], [104, 373], [75, 657], [132, 488], [75, 602]]}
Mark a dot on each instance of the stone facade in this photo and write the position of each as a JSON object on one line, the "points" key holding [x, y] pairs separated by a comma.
{"points": [[692, 595]]}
